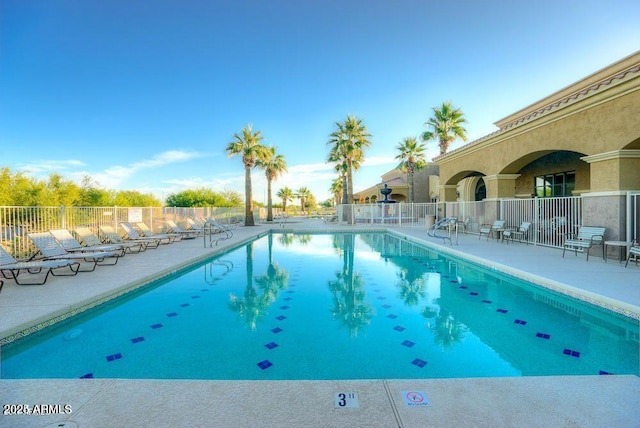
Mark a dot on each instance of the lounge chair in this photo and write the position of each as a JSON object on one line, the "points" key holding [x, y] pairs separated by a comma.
{"points": [[193, 224], [165, 238], [634, 251], [490, 229], [11, 268], [90, 240], [521, 233], [50, 249], [132, 233], [113, 237], [184, 233], [587, 237], [71, 244]]}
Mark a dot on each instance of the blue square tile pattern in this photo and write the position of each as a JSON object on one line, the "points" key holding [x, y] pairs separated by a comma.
{"points": [[281, 317], [399, 328], [392, 316], [418, 362], [271, 345], [386, 306], [408, 343], [137, 339], [276, 330], [521, 322], [184, 305], [284, 308], [87, 376], [172, 314], [155, 326], [265, 364], [114, 357]]}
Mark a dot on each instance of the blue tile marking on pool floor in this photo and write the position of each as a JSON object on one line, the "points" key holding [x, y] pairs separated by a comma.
{"points": [[502, 311], [571, 353], [386, 306], [392, 316], [172, 314], [486, 301], [114, 357], [284, 308], [281, 317], [288, 298], [419, 363], [184, 305], [265, 364], [521, 322], [156, 326], [399, 328], [543, 335], [137, 339], [408, 343], [271, 345], [276, 330], [463, 286], [87, 376], [195, 297]]}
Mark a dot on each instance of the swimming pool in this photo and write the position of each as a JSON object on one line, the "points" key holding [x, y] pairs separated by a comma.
{"points": [[343, 306]]}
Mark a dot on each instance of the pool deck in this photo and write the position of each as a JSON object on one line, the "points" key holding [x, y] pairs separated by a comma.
{"points": [[585, 401]]}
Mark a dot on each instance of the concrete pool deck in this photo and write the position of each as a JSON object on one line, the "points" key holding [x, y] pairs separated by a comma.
{"points": [[525, 401]]}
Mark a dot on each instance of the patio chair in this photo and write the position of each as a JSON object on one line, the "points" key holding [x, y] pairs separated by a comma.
{"points": [[490, 229], [148, 233], [194, 224], [90, 240], [110, 235], [587, 237], [521, 233], [71, 244], [132, 233], [50, 249], [634, 251], [172, 227], [11, 268]]}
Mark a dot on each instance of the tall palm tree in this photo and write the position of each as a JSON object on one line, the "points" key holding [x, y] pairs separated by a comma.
{"points": [[303, 193], [273, 165], [247, 144], [337, 187], [286, 194], [446, 125], [348, 143], [411, 159], [341, 167]]}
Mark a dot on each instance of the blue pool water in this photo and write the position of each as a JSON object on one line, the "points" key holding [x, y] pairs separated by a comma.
{"points": [[344, 306]]}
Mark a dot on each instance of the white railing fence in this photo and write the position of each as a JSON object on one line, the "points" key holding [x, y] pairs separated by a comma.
{"points": [[17, 222], [405, 215], [633, 216]]}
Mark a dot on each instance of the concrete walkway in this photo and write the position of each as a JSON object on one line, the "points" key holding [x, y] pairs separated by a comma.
{"points": [[590, 401]]}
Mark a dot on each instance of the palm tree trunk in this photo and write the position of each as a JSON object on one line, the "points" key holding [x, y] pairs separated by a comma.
{"points": [[269, 209], [350, 184], [410, 187], [248, 200]]}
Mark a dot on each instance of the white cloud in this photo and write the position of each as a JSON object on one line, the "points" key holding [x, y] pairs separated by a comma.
{"points": [[48, 166]]}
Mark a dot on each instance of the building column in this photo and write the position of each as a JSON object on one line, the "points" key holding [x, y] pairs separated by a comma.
{"points": [[613, 174], [501, 185], [448, 192]]}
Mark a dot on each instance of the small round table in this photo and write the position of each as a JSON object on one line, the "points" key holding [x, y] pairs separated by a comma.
{"points": [[619, 244]]}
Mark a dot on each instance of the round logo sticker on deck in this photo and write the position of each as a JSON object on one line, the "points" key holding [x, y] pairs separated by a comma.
{"points": [[415, 398]]}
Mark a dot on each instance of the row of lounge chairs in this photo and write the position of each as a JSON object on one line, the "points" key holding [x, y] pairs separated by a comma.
{"points": [[60, 253]]}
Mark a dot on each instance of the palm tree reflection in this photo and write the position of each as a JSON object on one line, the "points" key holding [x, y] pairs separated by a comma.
{"points": [[349, 293], [447, 330], [256, 300], [412, 286]]}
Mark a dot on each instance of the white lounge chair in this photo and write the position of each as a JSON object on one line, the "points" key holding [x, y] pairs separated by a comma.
{"points": [[11, 268], [50, 249], [90, 240], [71, 244]]}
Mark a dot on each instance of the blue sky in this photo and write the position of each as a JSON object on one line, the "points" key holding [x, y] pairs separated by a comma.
{"points": [[145, 95]]}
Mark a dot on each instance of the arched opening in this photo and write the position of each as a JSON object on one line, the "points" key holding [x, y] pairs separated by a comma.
{"points": [[481, 190]]}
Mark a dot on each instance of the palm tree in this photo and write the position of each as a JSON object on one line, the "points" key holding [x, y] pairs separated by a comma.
{"points": [[446, 126], [411, 159], [248, 146], [337, 187], [348, 143], [286, 195], [273, 166], [341, 167], [303, 193]]}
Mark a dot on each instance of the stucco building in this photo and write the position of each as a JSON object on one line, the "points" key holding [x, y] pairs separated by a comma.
{"points": [[582, 140], [425, 186]]}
